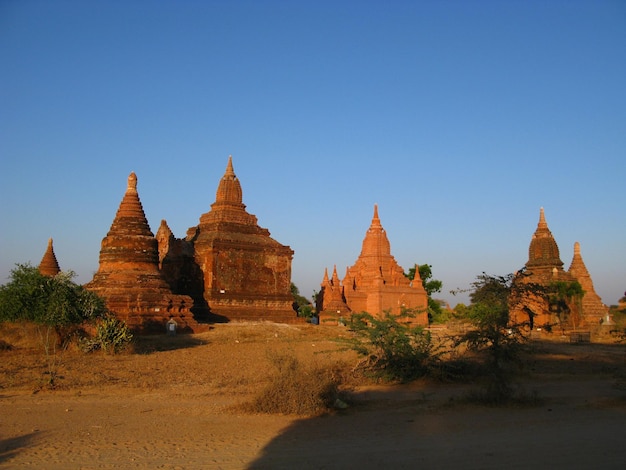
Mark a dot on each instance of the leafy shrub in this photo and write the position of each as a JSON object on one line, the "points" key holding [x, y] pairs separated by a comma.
{"points": [[112, 335], [392, 349], [501, 342], [296, 389]]}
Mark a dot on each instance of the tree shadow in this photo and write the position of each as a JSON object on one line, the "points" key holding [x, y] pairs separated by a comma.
{"points": [[10, 447], [155, 343], [580, 423]]}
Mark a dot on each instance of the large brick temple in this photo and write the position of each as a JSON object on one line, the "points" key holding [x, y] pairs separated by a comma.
{"points": [[543, 268], [228, 263], [227, 268], [375, 283]]}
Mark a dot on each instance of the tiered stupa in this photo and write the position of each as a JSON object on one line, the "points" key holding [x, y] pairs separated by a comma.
{"points": [[128, 276], [375, 283], [545, 267], [49, 265], [594, 311], [244, 274]]}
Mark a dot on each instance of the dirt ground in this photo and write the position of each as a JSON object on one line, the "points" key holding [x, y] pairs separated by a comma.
{"points": [[172, 404]]}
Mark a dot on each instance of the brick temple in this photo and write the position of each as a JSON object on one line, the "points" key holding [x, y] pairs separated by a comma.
{"points": [[229, 264], [128, 276], [375, 283], [544, 267]]}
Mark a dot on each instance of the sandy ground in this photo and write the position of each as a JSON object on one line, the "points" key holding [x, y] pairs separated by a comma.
{"points": [[171, 404]]}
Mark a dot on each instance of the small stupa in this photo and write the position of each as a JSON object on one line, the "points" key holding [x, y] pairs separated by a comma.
{"points": [[49, 266]]}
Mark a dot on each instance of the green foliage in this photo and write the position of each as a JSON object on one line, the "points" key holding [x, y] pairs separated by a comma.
{"points": [[54, 304], [431, 286], [51, 301], [112, 335], [300, 303], [502, 342], [296, 389], [393, 349], [562, 296]]}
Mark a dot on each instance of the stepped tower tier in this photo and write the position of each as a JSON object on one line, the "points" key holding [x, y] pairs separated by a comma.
{"points": [[128, 276], [49, 266], [246, 274], [377, 284]]}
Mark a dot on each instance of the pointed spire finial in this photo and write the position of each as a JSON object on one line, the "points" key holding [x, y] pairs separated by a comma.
{"points": [[576, 248], [542, 219], [375, 218], [229, 167], [132, 182]]}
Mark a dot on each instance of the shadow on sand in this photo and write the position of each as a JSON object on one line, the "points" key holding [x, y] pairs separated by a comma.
{"points": [[154, 343], [9, 448], [580, 424]]}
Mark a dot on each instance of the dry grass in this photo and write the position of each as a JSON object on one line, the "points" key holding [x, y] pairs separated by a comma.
{"points": [[296, 388]]}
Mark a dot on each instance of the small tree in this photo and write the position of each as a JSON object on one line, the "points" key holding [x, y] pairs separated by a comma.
{"points": [[392, 349], [300, 303], [565, 300], [55, 304], [502, 342]]}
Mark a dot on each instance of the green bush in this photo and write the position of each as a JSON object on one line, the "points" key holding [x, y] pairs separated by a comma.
{"points": [[501, 343], [112, 335], [392, 349]]}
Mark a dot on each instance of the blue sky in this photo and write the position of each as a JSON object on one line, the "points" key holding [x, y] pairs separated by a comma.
{"points": [[460, 119]]}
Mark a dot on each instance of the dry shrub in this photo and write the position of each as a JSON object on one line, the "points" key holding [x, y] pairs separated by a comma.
{"points": [[296, 389]]}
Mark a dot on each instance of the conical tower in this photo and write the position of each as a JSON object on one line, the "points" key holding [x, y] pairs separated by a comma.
{"points": [[49, 265], [128, 276], [593, 310]]}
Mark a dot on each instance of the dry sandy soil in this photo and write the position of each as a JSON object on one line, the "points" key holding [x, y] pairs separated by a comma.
{"points": [[172, 404]]}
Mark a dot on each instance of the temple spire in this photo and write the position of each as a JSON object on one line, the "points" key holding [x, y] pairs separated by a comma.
{"points": [[375, 219], [229, 190], [229, 167], [542, 219]]}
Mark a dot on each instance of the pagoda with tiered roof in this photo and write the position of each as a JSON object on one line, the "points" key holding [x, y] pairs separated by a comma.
{"points": [[375, 283], [231, 265]]}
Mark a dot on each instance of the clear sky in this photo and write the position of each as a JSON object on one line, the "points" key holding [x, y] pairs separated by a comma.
{"points": [[460, 119]]}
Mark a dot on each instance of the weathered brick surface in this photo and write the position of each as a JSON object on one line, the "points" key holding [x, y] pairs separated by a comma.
{"points": [[228, 263]]}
